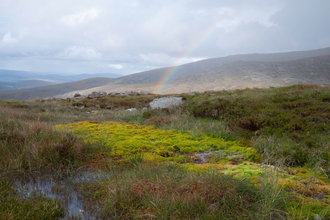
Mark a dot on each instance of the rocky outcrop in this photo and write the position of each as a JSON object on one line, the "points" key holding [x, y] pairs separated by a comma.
{"points": [[51, 98], [132, 93], [97, 94], [165, 102], [145, 93]]}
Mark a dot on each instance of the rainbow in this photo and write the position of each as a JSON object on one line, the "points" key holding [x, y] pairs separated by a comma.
{"points": [[193, 46]]}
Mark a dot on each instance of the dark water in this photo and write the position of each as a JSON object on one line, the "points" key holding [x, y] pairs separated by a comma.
{"points": [[64, 190]]}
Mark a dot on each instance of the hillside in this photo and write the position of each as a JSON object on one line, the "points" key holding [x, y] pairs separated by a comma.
{"points": [[203, 65], [242, 74], [47, 91], [234, 75]]}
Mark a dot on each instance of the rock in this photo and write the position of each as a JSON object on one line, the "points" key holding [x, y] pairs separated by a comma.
{"points": [[145, 92], [145, 109], [97, 94], [76, 95], [79, 96], [114, 93], [132, 93], [131, 109], [165, 102]]}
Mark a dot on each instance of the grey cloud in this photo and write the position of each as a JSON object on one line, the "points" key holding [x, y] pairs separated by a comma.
{"points": [[305, 22], [129, 36]]}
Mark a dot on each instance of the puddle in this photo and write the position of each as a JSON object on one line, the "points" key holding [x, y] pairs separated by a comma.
{"points": [[64, 191], [205, 157], [200, 158]]}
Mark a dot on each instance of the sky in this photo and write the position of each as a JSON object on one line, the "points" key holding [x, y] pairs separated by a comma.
{"points": [[130, 36]]}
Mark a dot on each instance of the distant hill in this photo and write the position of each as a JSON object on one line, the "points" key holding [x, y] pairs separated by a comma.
{"points": [[57, 89], [242, 74], [32, 84], [203, 65], [13, 79]]}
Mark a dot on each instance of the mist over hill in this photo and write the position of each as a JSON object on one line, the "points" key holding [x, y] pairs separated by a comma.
{"points": [[231, 72], [242, 74], [32, 83], [203, 65]]}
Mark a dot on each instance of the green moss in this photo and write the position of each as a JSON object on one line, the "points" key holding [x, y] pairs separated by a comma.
{"points": [[251, 154], [124, 140], [303, 210]]}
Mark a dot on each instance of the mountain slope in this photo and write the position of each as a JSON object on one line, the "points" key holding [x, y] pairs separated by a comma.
{"points": [[203, 65], [57, 89], [242, 74]]}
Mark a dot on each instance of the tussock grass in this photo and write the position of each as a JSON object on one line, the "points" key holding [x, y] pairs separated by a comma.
{"points": [[296, 116], [29, 144], [168, 192]]}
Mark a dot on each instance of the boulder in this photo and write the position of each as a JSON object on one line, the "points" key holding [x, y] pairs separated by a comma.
{"points": [[131, 109], [97, 94], [145, 92], [165, 102], [132, 93], [76, 95]]}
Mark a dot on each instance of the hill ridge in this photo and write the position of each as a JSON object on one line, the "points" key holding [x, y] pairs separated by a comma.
{"points": [[57, 89]]}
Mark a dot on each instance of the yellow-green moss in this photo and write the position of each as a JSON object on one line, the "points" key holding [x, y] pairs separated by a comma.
{"points": [[127, 139], [308, 208]]}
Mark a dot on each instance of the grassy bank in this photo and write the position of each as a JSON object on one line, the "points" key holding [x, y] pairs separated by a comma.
{"points": [[245, 154]]}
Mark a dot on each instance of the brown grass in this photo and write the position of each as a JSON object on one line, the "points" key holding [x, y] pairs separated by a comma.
{"points": [[27, 143]]}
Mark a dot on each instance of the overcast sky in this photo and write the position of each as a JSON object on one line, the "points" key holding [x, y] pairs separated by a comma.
{"points": [[127, 36]]}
